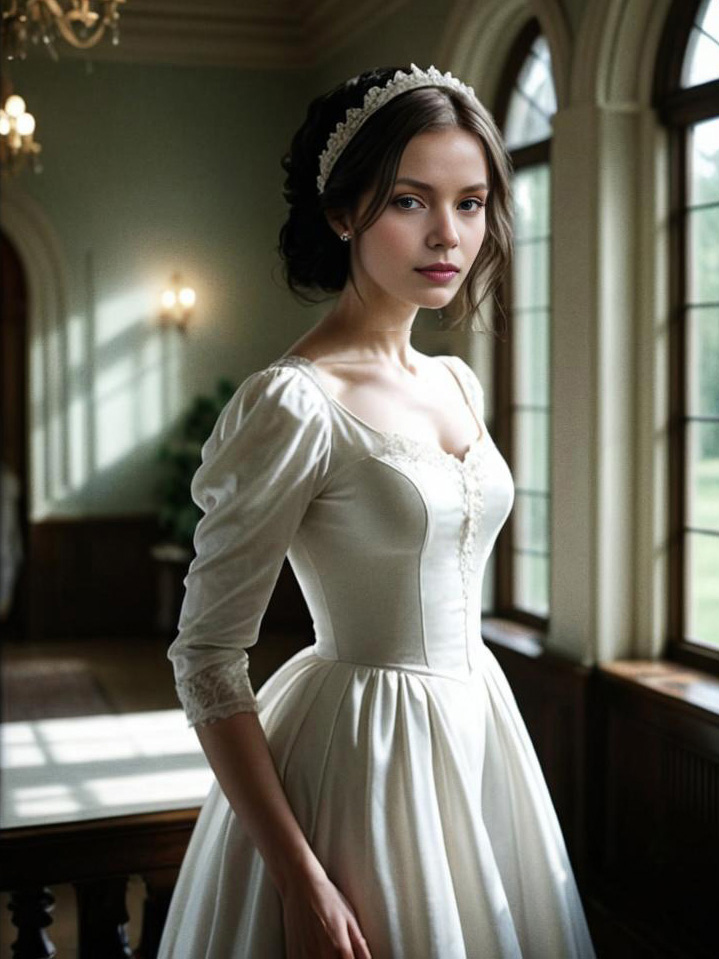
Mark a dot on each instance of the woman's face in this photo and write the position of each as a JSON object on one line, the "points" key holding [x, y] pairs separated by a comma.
{"points": [[435, 215]]}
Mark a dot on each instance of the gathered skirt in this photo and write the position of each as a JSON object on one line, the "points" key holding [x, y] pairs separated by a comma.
{"points": [[422, 796]]}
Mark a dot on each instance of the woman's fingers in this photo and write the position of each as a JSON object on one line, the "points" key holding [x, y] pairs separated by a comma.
{"points": [[359, 943], [320, 923]]}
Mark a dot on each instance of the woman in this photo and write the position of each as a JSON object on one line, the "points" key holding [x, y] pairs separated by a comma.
{"points": [[379, 796]]}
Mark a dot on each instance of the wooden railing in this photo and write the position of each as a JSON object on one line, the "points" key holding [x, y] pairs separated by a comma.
{"points": [[97, 857], [143, 766]]}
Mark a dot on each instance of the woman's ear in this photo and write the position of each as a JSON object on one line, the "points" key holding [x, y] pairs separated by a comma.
{"points": [[339, 221]]}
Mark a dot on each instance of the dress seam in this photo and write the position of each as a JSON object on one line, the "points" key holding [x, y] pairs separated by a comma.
{"points": [[325, 759], [427, 524], [288, 753], [394, 667]]}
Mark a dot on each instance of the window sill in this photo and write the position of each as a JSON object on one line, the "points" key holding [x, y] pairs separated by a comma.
{"points": [[693, 689], [514, 636]]}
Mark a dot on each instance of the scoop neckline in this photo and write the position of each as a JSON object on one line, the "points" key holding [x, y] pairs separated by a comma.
{"points": [[478, 442]]}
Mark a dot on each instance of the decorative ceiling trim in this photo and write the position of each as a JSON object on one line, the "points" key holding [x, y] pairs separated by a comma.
{"points": [[254, 35]]}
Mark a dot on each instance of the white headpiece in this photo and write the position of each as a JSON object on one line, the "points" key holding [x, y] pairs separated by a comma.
{"points": [[375, 98]]}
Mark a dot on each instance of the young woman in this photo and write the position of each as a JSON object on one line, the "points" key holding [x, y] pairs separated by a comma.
{"points": [[380, 796]]}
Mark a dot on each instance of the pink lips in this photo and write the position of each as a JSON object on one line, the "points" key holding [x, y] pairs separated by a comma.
{"points": [[440, 272]]}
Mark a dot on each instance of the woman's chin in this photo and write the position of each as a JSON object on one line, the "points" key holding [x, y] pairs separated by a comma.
{"points": [[436, 300]]}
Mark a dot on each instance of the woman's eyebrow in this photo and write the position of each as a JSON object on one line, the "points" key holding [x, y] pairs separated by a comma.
{"points": [[428, 186]]}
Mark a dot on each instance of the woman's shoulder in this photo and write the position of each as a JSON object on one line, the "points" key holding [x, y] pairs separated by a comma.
{"points": [[284, 378], [464, 370], [278, 397]]}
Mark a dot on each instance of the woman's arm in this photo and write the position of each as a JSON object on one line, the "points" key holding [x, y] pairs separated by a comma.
{"points": [[240, 756], [319, 922]]}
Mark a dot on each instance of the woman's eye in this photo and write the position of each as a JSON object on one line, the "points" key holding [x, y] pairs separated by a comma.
{"points": [[480, 203], [402, 199]]}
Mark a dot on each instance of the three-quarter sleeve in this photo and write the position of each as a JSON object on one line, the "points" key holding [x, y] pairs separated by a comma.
{"points": [[265, 460]]}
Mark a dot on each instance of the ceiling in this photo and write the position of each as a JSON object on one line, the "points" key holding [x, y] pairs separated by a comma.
{"points": [[260, 34]]}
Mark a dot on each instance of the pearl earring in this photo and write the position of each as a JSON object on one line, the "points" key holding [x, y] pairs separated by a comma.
{"points": [[345, 236]]}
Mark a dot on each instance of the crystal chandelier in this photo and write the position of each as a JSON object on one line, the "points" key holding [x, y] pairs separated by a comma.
{"points": [[43, 21]]}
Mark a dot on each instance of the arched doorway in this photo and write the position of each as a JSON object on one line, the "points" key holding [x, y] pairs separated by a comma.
{"points": [[13, 434]]}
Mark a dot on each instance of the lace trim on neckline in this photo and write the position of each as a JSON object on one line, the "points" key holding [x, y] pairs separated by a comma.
{"points": [[411, 446]]}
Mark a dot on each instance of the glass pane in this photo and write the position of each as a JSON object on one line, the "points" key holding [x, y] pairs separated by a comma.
{"points": [[703, 237], [532, 583], [531, 202], [702, 587], [531, 357], [531, 522], [533, 102], [701, 61], [531, 274], [531, 430], [703, 476], [703, 361], [704, 161]]}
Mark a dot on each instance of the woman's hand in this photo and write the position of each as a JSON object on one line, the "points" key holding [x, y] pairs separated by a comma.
{"points": [[320, 923]]}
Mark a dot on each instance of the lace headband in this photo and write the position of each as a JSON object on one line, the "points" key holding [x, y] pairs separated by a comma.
{"points": [[375, 98]]}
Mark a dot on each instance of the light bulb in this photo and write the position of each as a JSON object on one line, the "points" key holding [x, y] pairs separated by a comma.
{"points": [[15, 106], [187, 297], [168, 299], [4, 123], [26, 124]]}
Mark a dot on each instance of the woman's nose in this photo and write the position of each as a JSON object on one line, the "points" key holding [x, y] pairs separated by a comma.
{"points": [[444, 231]]}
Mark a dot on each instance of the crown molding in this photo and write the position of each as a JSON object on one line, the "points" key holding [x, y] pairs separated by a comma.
{"points": [[256, 34]]}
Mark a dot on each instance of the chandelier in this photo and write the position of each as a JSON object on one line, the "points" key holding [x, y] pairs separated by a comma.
{"points": [[44, 21]]}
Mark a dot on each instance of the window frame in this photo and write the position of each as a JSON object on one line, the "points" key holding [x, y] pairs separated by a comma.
{"points": [[677, 109], [503, 362]]}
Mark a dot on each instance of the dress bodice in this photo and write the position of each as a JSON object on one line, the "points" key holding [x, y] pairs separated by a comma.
{"points": [[391, 554]]}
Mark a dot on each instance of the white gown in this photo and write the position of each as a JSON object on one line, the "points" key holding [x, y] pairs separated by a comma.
{"points": [[396, 735]]}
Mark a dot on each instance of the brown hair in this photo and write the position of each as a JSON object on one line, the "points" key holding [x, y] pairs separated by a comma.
{"points": [[314, 258]]}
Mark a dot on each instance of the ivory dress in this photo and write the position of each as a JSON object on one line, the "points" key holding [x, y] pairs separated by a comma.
{"points": [[396, 735]]}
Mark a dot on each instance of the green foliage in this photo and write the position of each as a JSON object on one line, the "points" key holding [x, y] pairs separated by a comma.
{"points": [[180, 455]]}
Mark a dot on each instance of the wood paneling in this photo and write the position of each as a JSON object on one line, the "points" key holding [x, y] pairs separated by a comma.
{"points": [[630, 752], [656, 775], [96, 577]]}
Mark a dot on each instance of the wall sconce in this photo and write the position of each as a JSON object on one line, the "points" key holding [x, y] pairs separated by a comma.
{"points": [[177, 304], [17, 143]]}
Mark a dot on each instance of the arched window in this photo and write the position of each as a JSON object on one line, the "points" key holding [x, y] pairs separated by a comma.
{"points": [[687, 99], [523, 415]]}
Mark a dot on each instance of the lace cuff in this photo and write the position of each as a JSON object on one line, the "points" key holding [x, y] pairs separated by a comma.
{"points": [[217, 692]]}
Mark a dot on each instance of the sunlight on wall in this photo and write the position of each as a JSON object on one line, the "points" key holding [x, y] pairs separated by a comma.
{"points": [[117, 319], [102, 385], [59, 770], [131, 363]]}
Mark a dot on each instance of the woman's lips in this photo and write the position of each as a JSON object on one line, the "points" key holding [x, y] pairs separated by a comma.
{"points": [[439, 276]]}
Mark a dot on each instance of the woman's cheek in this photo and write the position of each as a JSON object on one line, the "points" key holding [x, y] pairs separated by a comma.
{"points": [[395, 233], [478, 237]]}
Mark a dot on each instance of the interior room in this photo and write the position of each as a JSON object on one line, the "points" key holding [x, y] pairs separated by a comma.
{"points": [[140, 213]]}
